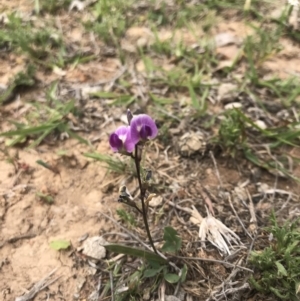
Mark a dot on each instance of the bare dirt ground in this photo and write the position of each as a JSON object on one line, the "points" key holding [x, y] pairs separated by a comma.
{"points": [[83, 188]]}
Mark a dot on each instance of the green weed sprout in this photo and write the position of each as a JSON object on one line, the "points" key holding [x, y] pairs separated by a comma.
{"points": [[279, 264]]}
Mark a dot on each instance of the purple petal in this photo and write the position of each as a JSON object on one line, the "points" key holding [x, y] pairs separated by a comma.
{"points": [[129, 145], [115, 142], [122, 132], [120, 139], [142, 127], [145, 132]]}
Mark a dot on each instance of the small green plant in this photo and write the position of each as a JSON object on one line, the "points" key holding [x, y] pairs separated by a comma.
{"points": [[111, 19], [232, 135], [258, 48], [112, 164], [236, 135], [43, 121], [278, 265], [20, 80], [126, 217], [50, 6], [172, 240], [37, 43], [48, 199], [154, 270]]}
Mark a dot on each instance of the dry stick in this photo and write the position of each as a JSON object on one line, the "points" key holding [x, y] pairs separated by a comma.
{"points": [[99, 286], [16, 238], [221, 286], [216, 168], [251, 247], [127, 231], [284, 204], [275, 186], [140, 241], [142, 190], [207, 200], [162, 290], [253, 220], [238, 218], [215, 261], [38, 287], [234, 290], [188, 210], [112, 286]]}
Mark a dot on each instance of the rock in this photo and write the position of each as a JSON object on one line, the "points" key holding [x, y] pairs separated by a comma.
{"points": [[191, 143], [233, 105], [227, 91], [156, 201], [261, 124], [94, 247]]}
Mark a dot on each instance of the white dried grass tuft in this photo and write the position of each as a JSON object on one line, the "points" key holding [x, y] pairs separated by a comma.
{"points": [[215, 232]]}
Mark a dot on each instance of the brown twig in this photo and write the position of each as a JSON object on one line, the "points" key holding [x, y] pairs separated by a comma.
{"points": [[216, 168], [45, 282], [216, 291], [112, 286], [207, 200], [253, 219], [238, 218], [215, 261], [16, 238]]}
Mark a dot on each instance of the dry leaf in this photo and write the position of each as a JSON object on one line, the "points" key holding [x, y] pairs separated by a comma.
{"points": [[227, 91], [224, 38]]}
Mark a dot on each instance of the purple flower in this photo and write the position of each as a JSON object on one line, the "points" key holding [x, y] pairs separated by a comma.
{"points": [[142, 127], [120, 140]]}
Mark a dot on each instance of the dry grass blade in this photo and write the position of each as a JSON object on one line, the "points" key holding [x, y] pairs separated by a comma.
{"points": [[45, 282]]}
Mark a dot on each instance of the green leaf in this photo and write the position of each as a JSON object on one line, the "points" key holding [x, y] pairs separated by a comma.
{"points": [[172, 278], [194, 99], [172, 240], [103, 94], [148, 273], [60, 244], [161, 100], [183, 273], [281, 268], [29, 130], [277, 292], [150, 256], [47, 198]]}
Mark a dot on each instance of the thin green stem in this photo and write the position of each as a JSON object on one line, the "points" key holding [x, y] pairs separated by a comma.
{"points": [[142, 191]]}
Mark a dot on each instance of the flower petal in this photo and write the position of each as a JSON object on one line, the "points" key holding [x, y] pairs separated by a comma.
{"points": [[129, 145], [142, 127], [115, 142], [120, 140], [122, 132]]}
